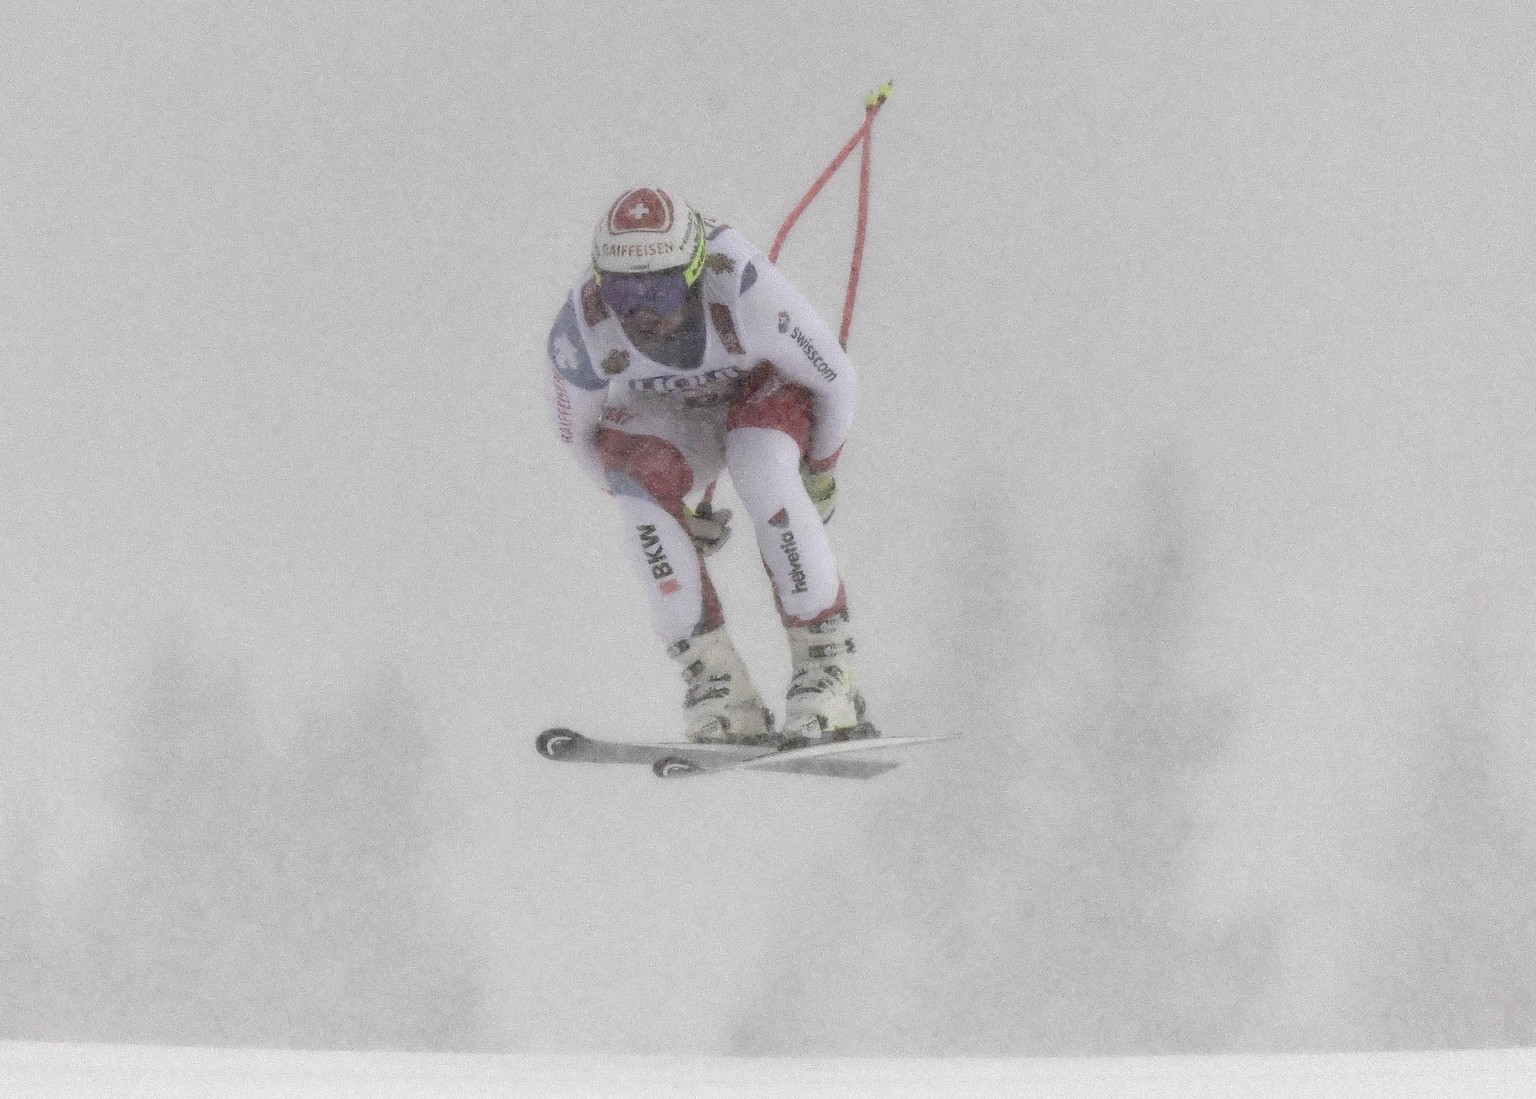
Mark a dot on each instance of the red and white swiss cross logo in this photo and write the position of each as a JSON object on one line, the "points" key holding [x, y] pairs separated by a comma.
{"points": [[643, 210]]}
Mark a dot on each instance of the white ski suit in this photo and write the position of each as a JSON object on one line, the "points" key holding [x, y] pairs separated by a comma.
{"points": [[756, 382]]}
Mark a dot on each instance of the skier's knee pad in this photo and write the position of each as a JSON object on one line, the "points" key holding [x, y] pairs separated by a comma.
{"points": [[773, 401], [643, 465]]}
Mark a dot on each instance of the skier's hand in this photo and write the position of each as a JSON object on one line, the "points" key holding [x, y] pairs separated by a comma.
{"points": [[708, 527], [822, 489]]}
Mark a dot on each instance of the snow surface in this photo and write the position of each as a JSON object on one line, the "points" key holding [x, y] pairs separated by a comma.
{"points": [[36, 1071], [1192, 480]]}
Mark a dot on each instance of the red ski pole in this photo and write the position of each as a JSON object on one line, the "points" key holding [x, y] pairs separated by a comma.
{"points": [[871, 108], [862, 137]]}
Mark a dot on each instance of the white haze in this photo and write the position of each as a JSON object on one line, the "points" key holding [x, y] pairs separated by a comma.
{"points": [[1192, 482]]}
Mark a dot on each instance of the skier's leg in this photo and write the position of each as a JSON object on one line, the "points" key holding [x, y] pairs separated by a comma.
{"points": [[767, 432], [765, 468], [649, 475], [767, 435]]}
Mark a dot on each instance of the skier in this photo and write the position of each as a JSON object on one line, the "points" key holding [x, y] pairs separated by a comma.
{"points": [[680, 352]]}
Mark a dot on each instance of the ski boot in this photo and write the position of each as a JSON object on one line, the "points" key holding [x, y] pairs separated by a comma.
{"points": [[823, 702], [721, 704]]}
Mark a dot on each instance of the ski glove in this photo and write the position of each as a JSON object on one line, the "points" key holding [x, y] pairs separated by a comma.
{"points": [[822, 489], [708, 527]]}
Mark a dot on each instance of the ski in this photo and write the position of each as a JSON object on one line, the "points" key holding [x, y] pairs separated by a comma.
{"points": [[829, 759]]}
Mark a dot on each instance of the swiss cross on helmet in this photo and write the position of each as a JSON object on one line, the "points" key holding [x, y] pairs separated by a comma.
{"points": [[647, 230]]}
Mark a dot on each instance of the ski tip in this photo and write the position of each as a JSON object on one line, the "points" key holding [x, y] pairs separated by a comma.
{"points": [[674, 767], [554, 743]]}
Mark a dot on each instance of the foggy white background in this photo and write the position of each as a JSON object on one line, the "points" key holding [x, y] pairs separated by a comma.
{"points": [[1192, 482]]}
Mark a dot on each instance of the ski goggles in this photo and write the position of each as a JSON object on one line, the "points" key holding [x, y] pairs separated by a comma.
{"points": [[660, 292]]}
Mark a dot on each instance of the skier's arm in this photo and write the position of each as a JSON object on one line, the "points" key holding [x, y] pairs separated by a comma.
{"points": [[576, 393], [804, 349]]}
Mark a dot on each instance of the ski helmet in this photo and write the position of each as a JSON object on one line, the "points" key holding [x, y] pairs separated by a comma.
{"points": [[646, 230]]}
